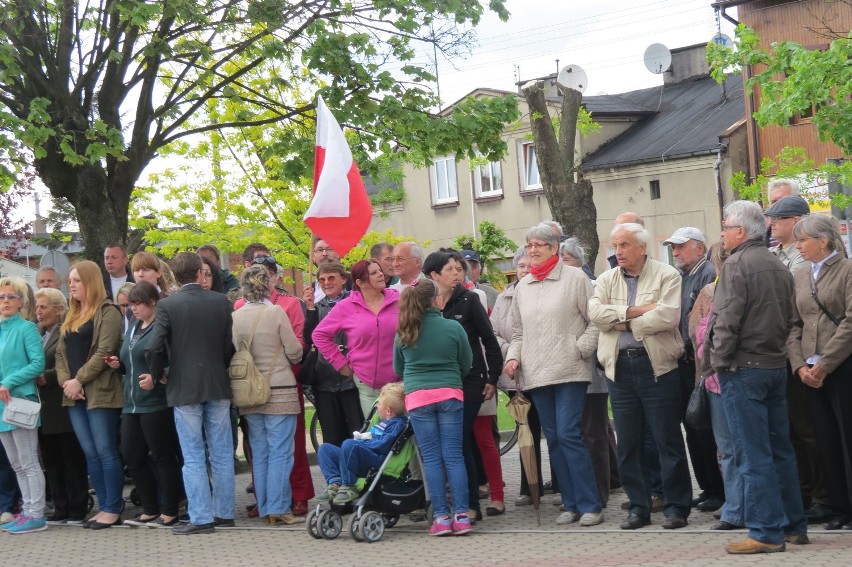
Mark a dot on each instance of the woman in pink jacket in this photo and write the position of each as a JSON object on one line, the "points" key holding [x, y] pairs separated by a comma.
{"points": [[369, 318]]}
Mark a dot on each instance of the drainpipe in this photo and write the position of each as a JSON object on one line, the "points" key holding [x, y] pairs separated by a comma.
{"points": [[717, 171]]}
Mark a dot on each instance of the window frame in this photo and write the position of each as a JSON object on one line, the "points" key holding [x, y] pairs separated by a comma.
{"points": [[476, 180], [523, 169], [452, 197]]}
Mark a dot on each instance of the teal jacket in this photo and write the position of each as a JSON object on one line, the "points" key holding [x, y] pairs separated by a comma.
{"points": [[21, 360], [134, 363], [439, 358]]}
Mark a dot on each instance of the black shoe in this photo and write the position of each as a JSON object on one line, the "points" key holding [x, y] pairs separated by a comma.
{"points": [[675, 523], [189, 529], [710, 505], [847, 526], [723, 525], [635, 521], [56, 519], [837, 522], [699, 499], [223, 522], [818, 512], [250, 488], [104, 525]]}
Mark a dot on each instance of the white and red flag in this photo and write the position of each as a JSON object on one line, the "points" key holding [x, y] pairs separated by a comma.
{"points": [[340, 211]]}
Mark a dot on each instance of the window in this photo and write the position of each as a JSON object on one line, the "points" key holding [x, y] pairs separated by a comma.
{"points": [[442, 174], [530, 179], [488, 179], [804, 117], [655, 189]]}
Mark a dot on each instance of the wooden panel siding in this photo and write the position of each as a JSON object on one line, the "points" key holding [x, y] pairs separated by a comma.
{"points": [[809, 23]]}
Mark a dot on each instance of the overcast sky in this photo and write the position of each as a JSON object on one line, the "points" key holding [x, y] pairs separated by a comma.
{"points": [[607, 38]]}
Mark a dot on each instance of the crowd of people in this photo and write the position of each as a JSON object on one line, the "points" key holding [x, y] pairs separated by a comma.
{"points": [[757, 322]]}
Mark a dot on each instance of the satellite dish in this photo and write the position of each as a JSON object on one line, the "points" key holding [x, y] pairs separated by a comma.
{"points": [[658, 58], [722, 39], [573, 77], [56, 260]]}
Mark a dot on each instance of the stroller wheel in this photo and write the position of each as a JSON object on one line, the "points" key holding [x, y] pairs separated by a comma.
{"points": [[372, 527], [311, 524], [90, 503], [134, 497], [330, 524], [390, 520], [354, 527]]}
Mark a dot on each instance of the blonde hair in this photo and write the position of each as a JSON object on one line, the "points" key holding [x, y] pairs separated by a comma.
{"points": [[254, 283], [78, 314], [392, 396], [54, 297], [22, 289], [415, 300]]}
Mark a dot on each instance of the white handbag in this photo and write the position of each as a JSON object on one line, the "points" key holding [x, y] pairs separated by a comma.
{"points": [[22, 413]]}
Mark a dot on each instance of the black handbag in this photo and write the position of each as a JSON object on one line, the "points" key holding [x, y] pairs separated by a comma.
{"points": [[315, 365], [698, 408]]}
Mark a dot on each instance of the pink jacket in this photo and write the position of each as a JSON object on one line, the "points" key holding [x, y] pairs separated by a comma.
{"points": [[369, 338], [712, 382]]}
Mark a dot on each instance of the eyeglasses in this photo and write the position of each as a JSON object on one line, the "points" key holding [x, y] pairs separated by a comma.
{"points": [[399, 259], [774, 219], [729, 226], [324, 250], [207, 275], [264, 260], [534, 245], [9, 296], [799, 240]]}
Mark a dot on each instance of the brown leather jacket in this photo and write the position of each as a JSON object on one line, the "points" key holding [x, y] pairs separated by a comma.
{"points": [[753, 310]]}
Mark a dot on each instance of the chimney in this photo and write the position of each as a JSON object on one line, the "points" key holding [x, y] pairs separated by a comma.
{"points": [[39, 226], [687, 63]]}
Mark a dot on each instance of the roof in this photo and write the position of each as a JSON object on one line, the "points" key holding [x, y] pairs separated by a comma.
{"points": [[683, 119]]}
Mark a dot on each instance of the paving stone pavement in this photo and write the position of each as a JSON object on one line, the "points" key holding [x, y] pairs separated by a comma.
{"points": [[508, 540]]}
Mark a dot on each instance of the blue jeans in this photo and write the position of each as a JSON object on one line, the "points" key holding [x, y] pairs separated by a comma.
{"points": [[97, 432], [438, 430], [211, 422], [560, 409], [273, 448], [756, 409], [732, 511], [10, 494], [347, 463], [637, 395]]}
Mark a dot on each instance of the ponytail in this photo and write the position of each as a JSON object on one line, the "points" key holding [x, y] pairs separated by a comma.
{"points": [[413, 302]]}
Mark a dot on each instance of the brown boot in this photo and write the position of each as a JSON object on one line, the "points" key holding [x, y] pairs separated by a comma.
{"points": [[750, 546]]}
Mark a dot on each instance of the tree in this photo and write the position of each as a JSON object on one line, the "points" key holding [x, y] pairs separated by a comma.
{"points": [[97, 90], [570, 201], [14, 230], [491, 244], [793, 80]]}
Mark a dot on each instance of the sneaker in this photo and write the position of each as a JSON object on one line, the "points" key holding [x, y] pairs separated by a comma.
{"points": [[74, 521], [345, 494], [28, 525], [523, 500], [461, 524], [442, 526], [329, 494], [591, 519], [567, 518], [750, 546], [11, 523]]}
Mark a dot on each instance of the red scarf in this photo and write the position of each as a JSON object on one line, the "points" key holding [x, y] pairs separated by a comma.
{"points": [[542, 270]]}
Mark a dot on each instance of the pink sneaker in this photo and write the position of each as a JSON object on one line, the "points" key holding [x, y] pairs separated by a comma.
{"points": [[461, 525], [441, 526]]}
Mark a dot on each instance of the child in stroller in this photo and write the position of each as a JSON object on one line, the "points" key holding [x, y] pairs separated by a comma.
{"points": [[377, 468], [342, 466]]}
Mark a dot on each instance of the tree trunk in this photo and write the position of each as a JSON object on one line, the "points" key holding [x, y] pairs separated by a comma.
{"points": [[571, 203]]}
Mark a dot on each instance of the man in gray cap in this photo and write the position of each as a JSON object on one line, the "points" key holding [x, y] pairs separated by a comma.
{"points": [[689, 250], [783, 216]]}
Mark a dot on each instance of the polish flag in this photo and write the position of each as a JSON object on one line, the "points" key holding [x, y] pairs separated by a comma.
{"points": [[340, 212]]}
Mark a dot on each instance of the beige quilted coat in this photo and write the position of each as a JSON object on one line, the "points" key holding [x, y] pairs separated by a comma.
{"points": [[552, 336]]}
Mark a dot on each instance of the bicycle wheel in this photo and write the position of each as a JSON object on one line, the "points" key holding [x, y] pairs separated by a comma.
{"points": [[507, 425]]}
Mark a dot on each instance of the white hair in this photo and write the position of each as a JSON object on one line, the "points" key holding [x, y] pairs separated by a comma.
{"points": [[639, 233], [572, 246], [554, 225], [794, 185], [521, 252], [748, 215], [543, 231]]}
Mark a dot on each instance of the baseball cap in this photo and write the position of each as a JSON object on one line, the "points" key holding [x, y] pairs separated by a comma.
{"points": [[789, 206], [685, 234], [470, 255]]}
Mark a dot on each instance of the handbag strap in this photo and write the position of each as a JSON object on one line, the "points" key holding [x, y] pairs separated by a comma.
{"points": [[831, 317], [253, 330]]}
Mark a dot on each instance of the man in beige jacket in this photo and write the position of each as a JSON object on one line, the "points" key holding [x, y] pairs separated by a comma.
{"points": [[636, 306]]}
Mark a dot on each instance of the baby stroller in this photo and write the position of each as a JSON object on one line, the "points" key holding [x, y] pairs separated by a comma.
{"points": [[385, 494]]}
